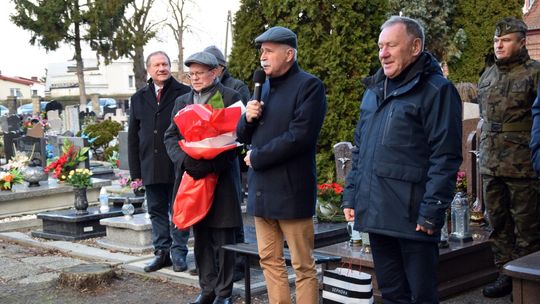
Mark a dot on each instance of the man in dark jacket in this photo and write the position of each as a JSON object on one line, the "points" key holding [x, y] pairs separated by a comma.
{"points": [[225, 78], [150, 116], [404, 167], [282, 129], [224, 217], [506, 92]]}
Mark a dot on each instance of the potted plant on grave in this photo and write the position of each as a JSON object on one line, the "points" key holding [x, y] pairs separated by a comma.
{"points": [[80, 180], [329, 202], [70, 159], [10, 178]]}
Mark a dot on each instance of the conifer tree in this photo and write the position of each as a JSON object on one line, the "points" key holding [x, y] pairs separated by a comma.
{"points": [[478, 19], [337, 42]]}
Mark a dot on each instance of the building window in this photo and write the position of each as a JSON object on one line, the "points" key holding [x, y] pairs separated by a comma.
{"points": [[15, 92], [34, 93], [131, 81]]}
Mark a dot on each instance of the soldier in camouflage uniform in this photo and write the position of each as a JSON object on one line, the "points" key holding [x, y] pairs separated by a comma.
{"points": [[506, 92]]}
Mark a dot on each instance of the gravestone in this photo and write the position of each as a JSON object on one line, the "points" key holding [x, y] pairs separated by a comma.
{"points": [[71, 119], [3, 124], [55, 122], [343, 156], [469, 125], [13, 123], [32, 146], [123, 150], [8, 144], [78, 142]]}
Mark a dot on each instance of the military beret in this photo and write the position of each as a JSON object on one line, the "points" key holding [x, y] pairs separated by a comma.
{"points": [[277, 34], [510, 25], [204, 58], [216, 52]]}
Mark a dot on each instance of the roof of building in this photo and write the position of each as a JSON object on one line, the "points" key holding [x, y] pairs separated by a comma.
{"points": [[19, 80]]}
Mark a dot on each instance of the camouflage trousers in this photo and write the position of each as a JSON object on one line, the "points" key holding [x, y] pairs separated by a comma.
{"points": [[513, 211]]}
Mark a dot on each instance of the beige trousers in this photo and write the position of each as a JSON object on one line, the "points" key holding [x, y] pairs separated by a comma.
{"points": [[299, 234]]}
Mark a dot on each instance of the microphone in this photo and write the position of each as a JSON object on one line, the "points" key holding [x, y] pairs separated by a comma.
{"points": [[258, 78]]}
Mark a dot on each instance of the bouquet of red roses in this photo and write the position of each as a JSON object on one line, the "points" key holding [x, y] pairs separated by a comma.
{"points": [[207, 132]]}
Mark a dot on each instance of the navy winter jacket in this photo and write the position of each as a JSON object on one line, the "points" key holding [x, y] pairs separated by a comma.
{"points": [[408, 153], [282, 183]]}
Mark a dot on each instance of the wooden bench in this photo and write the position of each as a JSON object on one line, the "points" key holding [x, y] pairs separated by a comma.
{"points": [[250, 250], [525, 273]]}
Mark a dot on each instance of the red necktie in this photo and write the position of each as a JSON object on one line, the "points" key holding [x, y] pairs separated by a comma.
{"points": [[158, 95]]}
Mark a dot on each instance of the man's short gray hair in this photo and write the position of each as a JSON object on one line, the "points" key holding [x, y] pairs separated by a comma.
{"points": [[412, 26], [157, 53]]}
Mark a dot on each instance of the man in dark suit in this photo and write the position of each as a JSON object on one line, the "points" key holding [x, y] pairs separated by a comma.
{"points": [[218, 227], [150, 116]]}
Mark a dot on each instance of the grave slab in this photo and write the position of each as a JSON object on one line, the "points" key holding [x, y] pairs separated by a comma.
{"points": [[127, 235]]}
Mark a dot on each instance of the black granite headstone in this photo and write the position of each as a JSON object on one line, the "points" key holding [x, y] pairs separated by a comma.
{"points": [[34, 147], [13, 123], [8, 144]]}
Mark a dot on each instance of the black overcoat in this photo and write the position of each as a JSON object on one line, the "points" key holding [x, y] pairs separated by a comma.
{"points": [[148, 121]]}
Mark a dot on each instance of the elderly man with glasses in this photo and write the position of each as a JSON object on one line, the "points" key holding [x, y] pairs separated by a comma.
{"points": [[219, 226]]}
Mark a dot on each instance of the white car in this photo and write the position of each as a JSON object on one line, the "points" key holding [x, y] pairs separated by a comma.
{"points": [[103, 102], [4, 110]]}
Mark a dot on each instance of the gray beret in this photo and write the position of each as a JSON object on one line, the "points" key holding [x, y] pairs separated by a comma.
{"points": [[277, 34], [204, 58], [216, 52]]}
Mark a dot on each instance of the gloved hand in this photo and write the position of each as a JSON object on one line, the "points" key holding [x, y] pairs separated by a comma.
{"points": [[197, 168]]}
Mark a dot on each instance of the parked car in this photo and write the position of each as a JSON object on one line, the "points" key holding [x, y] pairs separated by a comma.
{"points": [[4, 110], [26, 109], [103, 102]]}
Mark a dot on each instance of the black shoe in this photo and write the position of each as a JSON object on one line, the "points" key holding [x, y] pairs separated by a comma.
{"points": [[179, 264], [160, 260], [204, 299], [194, 272], [500, 288], [220, 300]]}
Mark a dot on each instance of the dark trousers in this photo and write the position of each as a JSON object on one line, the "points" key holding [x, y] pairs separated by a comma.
{"points": [[406, 270], [215, 274], [165, 236]]}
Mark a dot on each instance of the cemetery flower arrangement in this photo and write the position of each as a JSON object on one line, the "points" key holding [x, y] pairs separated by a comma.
{"points": [[461, 182], [329, 202], [79, 178], [69, 160], [137, 185], [10, 178], [18, 161], [30, 122]]}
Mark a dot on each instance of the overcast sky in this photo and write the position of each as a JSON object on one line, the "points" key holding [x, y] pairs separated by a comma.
{"points": [[19, 58]]}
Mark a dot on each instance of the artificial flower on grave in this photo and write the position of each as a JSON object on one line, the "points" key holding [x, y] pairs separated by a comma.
{"points": [[329, 202], [30, 121], [461, 182], [10, 178], [19, 160], [71, 158], [137, 187], [79, 178]]}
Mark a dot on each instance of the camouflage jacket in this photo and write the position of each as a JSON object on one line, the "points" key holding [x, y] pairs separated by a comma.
{"points": [[506, 92]]}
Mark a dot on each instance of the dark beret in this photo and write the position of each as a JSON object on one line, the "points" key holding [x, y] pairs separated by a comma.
{"points": [[277, 34], [216, 52], [204, 58], [510, 25]]}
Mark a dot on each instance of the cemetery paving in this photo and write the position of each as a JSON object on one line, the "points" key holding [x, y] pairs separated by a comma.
{"points": [[30, 268]]}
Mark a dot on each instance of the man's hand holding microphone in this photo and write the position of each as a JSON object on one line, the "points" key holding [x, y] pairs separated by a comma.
{"points": [[254, 107]]}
